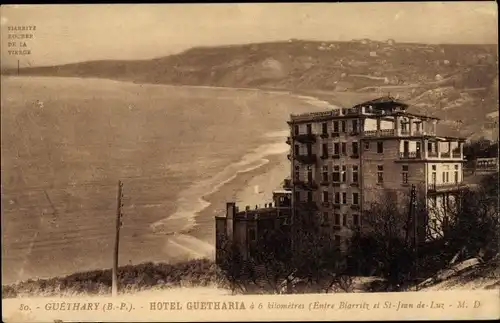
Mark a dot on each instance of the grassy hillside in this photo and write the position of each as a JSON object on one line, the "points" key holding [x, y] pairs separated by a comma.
{"points": [[195, 273], [448, 81]]}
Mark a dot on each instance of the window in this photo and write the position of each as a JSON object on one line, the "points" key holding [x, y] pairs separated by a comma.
{"points": [[337, 219], [456, 173], [344, 148], [297, 173], [405, 174], [324, 128], [297, 150], [344, 174], [309, 149], [403, 125], [429, 146], [325, 217], [367, 145], [380, 147], [336, 174], [354, 125], [444, 177], [336, 148], [325, 173], [417, 126], [344, 220], [325, 150], [325, 196], [380, 174], [355, 148], [296, 130], [309, 129], [309, 196], [343, 125], [355, 218], [337, 198], [297, 196], [252, 235], [335, 126], [355, 174], [355, 198], [337, 240], [309, 174], [447, 177], [344, 198]]}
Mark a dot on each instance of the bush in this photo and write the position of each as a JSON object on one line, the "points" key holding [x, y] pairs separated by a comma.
{"points": [[130, 278]]}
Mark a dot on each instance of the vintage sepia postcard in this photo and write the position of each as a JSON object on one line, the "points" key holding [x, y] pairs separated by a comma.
{"points": [[250, 162]]}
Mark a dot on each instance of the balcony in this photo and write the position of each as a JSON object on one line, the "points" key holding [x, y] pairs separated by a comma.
{"points": [[325, 204], [335, 134], [355, 207], [288, 140], [354, 132], [456, 154], [324, 156], [306, 159], [324, 183], [354, 184], [445, 155], [355, 155], [379, 133], [306, 138], [309, 185], [307, 205], [410, 155], [433, 154], [445, 187], [336, 156], [324, 135]]}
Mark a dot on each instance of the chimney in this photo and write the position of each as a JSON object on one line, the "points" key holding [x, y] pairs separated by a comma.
{"points": [[230, 217]]}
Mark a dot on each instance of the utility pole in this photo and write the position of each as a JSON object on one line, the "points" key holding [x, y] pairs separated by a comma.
{"points": [[114, 288], [415, 231]]}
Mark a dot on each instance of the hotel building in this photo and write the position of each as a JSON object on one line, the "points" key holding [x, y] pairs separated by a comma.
{"points": [[342, 160]]}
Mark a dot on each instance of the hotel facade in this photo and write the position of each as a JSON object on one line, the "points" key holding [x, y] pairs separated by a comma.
{"points": [[343, 160]]}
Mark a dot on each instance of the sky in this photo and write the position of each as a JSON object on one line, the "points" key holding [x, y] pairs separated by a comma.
{"points": [[73, 33]]}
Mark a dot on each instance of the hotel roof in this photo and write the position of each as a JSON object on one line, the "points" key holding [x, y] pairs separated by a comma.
{"points": [[383, 102]]}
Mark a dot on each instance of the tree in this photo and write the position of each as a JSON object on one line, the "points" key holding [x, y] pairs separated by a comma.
{"points": [[476, 227], [318, 259], [271, 259], [384, 246], [233, 266]]}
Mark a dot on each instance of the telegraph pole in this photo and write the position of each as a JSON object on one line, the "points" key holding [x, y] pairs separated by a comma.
{"points": [[415, 232], [114, 288]]}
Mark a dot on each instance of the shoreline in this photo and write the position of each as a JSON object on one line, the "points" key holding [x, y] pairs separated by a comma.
{"points": [[241, 190]]}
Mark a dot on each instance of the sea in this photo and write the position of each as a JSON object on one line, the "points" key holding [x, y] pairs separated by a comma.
{"points": [[66, 142]]}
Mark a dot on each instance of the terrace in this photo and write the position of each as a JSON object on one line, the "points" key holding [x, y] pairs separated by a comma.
{"points": [[306, 138], [306, 159], [437, 148], [445, 187]]}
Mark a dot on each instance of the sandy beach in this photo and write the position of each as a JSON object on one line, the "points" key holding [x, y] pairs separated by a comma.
{"points": [[251, 188]]}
